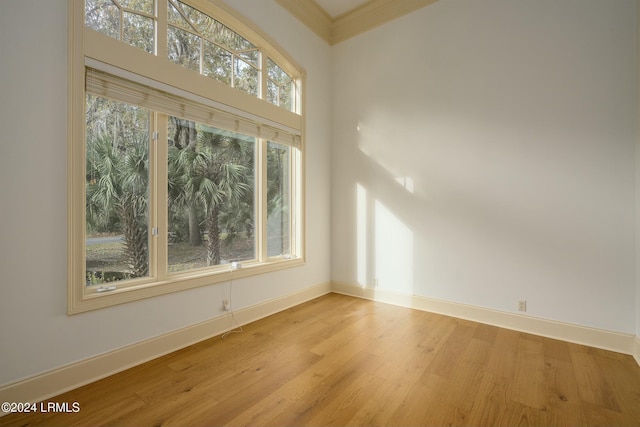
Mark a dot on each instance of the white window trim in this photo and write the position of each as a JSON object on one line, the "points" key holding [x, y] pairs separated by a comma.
{"points": [[81, 43]]}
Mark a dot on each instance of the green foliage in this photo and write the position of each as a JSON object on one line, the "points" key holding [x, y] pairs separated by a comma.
{"points": [[211, 183], [94, 278], [117, 181], [211, 175]]}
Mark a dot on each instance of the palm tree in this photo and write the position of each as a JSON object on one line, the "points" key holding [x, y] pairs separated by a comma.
{"points": [[117, 185], [215, 175], [182, 151]]}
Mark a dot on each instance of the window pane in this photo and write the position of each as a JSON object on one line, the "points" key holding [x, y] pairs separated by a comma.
{"points": [[184, 48], [278, 199], [272, 92], [275, 73], [279, 86], [117, 191], [250, 56], [215, 31], [233, 40], [138, 31], [145, 6], [211, 196], [200, 22], [103, 16], [176, 19], [217, 63], [246, 77], [285, 96]]}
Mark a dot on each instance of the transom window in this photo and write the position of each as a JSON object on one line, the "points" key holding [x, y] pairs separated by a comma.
{"points": [[196, 41], [185, 152], [132, 21], [201, 43]]}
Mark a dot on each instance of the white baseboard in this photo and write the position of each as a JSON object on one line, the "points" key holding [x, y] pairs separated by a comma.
{"points": [[60, 380], [57, 381], [607, 340]]}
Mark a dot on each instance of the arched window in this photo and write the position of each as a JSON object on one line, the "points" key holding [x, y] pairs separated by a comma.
{"points": [[185, 150]]}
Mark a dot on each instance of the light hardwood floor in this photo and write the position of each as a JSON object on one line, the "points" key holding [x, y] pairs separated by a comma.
{"points": [[339, 360]]}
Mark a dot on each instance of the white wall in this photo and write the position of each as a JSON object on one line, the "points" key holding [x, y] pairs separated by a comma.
{"points": [[35, 332], [484, 153]]}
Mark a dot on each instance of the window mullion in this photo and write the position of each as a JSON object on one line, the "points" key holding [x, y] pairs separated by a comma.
{"points": [[161, 189], [153, 195], [161, 29], [233, 69], [263, 74], [295, 201], [261, 187], [121, 23], [202, 40]]}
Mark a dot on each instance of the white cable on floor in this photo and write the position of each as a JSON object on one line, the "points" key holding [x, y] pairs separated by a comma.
{"points": [[233, 330]]}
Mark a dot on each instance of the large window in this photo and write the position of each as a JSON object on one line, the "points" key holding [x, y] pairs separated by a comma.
{"points": [[185, 151]]}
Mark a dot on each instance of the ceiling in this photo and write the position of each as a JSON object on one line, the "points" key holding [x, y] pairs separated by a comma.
{"points": [[339, 7]]}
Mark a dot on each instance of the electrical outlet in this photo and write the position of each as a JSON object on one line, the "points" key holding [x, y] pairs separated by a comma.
{"points": [[226, 304], [375, 282], [522, 305]]}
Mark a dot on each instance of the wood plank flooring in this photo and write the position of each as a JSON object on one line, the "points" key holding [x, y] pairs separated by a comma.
{"points": [[343, 361]]}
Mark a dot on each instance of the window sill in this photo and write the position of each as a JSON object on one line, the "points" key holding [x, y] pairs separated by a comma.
{"points": [[83, 300]]}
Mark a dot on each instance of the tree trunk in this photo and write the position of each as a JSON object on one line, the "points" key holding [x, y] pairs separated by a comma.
{"points": [[213, 243], [135, 239], [195, 237], [191, 137]]}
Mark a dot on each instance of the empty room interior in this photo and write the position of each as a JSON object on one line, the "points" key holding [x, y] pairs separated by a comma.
{"points": [[366, 212]]}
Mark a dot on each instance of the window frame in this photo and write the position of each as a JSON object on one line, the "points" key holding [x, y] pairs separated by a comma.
{"points": [[87, 45]]}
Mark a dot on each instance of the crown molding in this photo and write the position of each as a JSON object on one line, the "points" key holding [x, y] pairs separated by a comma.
{"points": [[361, 19], [310, 14], [372, 14]]}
